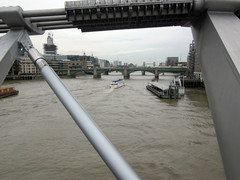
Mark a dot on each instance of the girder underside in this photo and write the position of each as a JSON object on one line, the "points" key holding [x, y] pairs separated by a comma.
{"points": [[132, 23], [110, 17]]}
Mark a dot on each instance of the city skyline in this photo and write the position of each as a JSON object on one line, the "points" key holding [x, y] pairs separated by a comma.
{"points": [[132, 46]]}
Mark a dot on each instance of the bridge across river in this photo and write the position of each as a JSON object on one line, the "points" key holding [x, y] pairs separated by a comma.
{"points": [[124, 70]]}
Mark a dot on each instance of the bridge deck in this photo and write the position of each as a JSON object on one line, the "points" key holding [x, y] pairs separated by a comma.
{"points": [[94, 15], [128, 70], [125, 14]]}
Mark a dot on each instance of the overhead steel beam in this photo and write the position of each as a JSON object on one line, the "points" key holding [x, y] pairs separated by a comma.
{"points": [[1, 22], [48, 18], [218, 42], [12, 16], [58, 27], [54, 23], [216, 5], [45, 12], [111, 15]]}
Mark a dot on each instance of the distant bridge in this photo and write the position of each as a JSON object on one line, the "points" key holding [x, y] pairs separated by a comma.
{"points": [[125, 71]]}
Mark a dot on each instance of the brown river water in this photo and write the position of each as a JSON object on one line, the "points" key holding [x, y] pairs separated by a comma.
{"points": [[160, 139]]}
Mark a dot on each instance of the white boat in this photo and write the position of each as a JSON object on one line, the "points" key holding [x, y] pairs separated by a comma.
{"points": [[177, 82], [117, 84]]}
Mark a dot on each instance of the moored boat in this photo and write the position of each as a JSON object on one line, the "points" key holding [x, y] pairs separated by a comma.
{"points": [[163, 91], [117, 84], [8, 91]]}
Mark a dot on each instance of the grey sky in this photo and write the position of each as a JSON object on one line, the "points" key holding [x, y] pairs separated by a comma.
{"points": [[132, 46]]}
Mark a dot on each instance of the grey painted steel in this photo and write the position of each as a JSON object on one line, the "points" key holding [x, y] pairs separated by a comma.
{"points": [[45, 12], [4, 30], [54, 23], [103, 146], [96, 15], [4, 26], [48, 18], [216, 5], [218, 43], [34, 21], [58, 27], [12, 16], [8, 52], [100, 142]]}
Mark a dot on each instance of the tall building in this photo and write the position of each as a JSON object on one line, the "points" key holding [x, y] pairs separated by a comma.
{"points": [[194, 67], [50, 47], [154, 64], [172, 61], [191, 58], [115, 63], [144, 64], [104, 63]]}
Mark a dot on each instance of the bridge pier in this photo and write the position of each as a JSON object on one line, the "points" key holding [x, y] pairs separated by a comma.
{"points": [[156, 74], [126, 74], [218, 42], [96, 74], [68, 72], [143, 73], [105, 72]]}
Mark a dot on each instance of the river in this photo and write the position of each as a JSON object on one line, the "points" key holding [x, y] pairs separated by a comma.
{"points": [[160, 139]]}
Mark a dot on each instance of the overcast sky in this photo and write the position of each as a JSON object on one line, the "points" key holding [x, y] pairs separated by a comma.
{"points": [[131, 46]]}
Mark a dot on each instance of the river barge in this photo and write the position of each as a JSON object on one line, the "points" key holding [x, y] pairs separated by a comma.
{"points": [[8, 91], [163, 91]]}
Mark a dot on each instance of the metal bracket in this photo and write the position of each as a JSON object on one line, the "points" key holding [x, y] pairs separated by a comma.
{"points": [[9, 51], [13, 17]]}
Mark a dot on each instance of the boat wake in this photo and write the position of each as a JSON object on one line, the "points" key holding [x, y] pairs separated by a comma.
{"points": [[110, 90]]}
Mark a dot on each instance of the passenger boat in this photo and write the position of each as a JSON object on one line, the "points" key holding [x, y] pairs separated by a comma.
{"points": [[163, 91], [117, 84], [8, 91], [177, 82]]}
